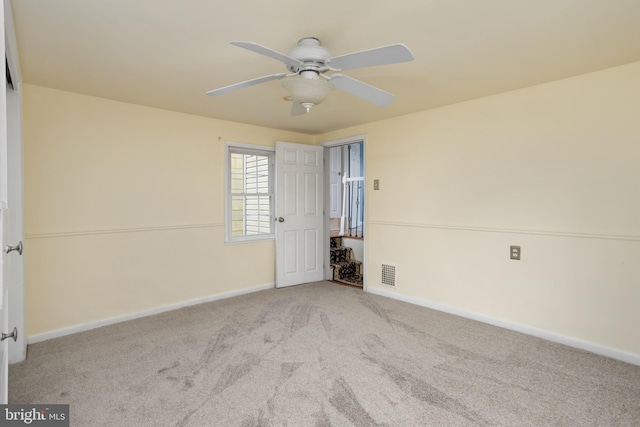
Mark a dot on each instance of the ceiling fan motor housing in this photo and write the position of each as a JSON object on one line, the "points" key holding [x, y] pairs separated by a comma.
{"points": [[313, 56]]}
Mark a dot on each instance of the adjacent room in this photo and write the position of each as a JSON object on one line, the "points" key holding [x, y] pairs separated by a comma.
{"points": [[347, 213]]}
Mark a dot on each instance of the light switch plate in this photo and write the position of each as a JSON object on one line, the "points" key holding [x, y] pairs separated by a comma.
{"points": [[376, 184]]}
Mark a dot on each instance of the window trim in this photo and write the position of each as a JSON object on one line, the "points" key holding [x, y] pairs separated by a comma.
{"points": [[239, 147]]}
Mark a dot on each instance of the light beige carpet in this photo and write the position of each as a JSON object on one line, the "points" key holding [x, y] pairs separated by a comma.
{"points": [[320, 355]]}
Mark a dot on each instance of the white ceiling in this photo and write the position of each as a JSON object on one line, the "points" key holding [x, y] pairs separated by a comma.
{"points": [[168, 53]]}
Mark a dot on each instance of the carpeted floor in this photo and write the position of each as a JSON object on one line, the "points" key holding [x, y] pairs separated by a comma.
{"points": [[322, 355]]}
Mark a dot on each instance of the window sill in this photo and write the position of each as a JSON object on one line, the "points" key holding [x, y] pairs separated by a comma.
{"points": [[251, 239]]}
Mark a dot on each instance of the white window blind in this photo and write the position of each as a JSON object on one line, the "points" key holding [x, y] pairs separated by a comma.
{"points": [[249, 193]]}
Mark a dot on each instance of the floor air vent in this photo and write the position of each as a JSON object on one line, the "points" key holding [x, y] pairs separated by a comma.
{"points": [[389, 275]]}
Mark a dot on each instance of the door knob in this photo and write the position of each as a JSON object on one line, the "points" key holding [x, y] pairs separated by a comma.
{"points": [[280, 219], [13, 334], [17, 247]]}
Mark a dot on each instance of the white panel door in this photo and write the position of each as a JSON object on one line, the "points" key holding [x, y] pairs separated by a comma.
{"points": [[4, 217], [299, 214], [4, 318], [14, 199]]}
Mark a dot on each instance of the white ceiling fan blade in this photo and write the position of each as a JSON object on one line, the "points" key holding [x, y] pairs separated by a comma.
{"points": [[368, 58], [297, 109], [246, 84], [362, 90], [255, 47]]}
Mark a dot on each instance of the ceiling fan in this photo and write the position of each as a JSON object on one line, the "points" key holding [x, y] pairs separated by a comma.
{"points": [[310, 62]]}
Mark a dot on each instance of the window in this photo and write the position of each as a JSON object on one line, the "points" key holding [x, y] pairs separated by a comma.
{"points": [[249, 192]]}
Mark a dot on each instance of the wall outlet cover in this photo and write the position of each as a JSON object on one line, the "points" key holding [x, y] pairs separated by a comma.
{"points": [[515, 252]]}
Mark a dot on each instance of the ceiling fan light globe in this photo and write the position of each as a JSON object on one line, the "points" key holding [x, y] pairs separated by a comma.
{"points": [[311, 91]]}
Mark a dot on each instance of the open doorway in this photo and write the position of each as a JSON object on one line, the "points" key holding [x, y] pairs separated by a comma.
{"points": [[346, 212]]}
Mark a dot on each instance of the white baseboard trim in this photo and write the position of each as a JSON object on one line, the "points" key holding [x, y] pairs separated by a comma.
{"points": [[112, 320], [540, 333]]}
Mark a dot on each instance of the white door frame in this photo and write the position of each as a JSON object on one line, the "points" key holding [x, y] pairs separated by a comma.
{"points": [[16, 299], [335, 143]]}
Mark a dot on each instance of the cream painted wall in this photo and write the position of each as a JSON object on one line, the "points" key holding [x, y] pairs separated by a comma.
{"points": [[124, 209], [553, 168]]}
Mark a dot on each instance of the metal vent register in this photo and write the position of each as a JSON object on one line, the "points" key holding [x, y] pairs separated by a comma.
{"points": [[389, 275]]}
